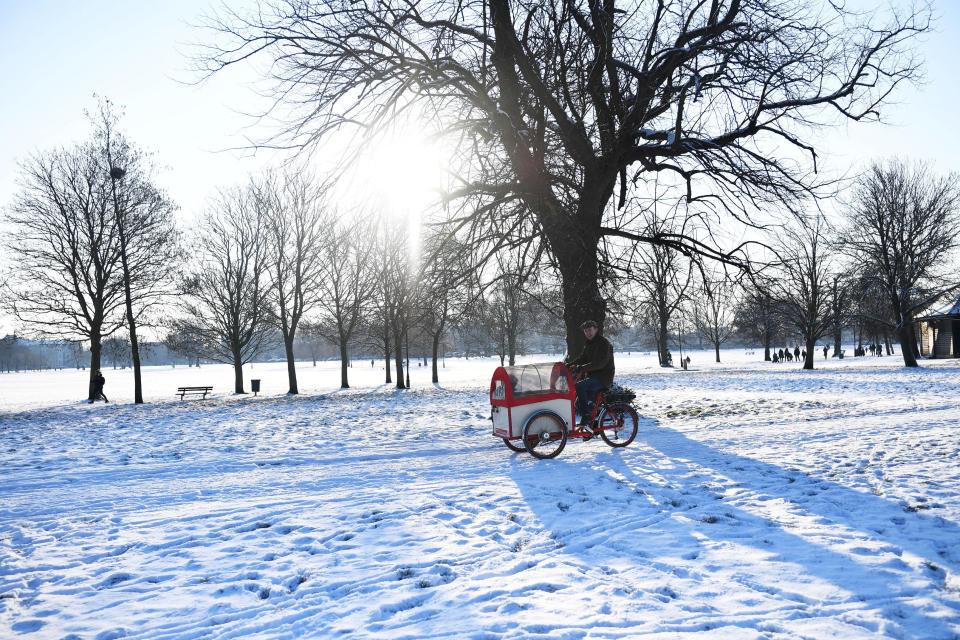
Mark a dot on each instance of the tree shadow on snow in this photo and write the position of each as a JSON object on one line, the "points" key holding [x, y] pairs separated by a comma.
{"points": [[663, 505]]}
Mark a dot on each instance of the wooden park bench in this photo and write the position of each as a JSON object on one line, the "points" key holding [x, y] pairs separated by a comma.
{"points": [[193, 391]]}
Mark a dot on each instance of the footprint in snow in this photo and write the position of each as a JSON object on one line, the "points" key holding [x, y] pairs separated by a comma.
{"points": [[27, 626]]}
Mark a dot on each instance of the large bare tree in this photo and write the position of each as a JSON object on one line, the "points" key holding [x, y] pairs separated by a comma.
{"points": [[225, 303], [297, 223], [65, 279], [84, 253], [562, 105], [147, 237], [903, 229]]}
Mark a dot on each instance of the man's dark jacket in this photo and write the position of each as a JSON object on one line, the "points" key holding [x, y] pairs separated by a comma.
{"points": [[597, 359]]}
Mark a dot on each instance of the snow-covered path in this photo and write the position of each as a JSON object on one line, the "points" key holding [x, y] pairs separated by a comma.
{"points": [[756, 503]]}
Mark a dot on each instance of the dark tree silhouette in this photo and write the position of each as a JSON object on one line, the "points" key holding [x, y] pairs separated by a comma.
{"points": [[297, 225], [563, 105], [347, 284], [903, 229], [225, 298], [803, 286], [77, 249]]}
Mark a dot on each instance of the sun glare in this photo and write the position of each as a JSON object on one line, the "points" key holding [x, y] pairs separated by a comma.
{"points": [[404, 172], [400, 176]]}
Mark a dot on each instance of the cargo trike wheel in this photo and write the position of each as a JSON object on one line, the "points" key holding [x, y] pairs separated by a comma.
{"points": [[545, 435], [519, 448], [619, 425]]}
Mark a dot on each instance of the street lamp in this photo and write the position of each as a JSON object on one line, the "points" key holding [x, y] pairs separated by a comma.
{"points": [[116, 174]]}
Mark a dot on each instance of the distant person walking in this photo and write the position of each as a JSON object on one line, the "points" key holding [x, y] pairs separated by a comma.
{"points": [[796, 352], [825, 350], [98, 382]]}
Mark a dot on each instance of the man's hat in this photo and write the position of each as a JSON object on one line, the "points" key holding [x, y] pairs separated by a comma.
{"points": [[589, 323]]}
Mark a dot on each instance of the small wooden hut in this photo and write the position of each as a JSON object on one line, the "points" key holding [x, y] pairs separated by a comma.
{"points": [[939, 331]]}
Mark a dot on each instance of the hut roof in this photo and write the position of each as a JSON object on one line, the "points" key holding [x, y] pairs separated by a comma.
{"points": [[951, 308]]}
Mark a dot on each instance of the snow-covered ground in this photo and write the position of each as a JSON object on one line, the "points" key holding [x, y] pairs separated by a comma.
{"points": [[759, 501]]}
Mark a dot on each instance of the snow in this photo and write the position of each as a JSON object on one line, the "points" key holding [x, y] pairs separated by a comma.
{"points": [[950, 308], [759, 501]]}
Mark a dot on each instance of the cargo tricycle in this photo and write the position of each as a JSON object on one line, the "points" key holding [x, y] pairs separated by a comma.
{"points": [[533, 410]]}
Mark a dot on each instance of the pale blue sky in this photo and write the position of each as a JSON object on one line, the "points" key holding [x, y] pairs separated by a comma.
{"points": [[55, 55]]}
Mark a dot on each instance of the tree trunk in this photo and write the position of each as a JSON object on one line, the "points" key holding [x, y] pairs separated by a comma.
{"points": [[512, 345], [716, 347], [398, 356], [662, 336], [436, 350], [905, 336], [135, 358], [237, 374], [386, 352], [291, 365], [576, 258], [811, 346], [95, 351], [344, 361]]}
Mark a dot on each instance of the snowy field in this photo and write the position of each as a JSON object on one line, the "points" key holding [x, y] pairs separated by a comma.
{"points": [[759, 501]]}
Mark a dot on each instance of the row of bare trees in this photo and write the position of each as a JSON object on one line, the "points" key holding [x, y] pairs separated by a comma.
{"points": [[890, 256]]}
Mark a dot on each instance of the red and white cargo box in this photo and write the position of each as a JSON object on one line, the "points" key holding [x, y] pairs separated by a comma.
{"points": [[516, 393]]}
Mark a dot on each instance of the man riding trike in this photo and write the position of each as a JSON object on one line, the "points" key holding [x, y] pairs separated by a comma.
{"points": [[534, 406]]}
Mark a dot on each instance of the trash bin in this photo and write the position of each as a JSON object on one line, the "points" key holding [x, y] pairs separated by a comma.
{"points": [[255, 386]]}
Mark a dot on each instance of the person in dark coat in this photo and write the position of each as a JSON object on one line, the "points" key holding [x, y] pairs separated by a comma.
{"points": [[98, 382], [594, 367], [796, 352], [825, 350]]}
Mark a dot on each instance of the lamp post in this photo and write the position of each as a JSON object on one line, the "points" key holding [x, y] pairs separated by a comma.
{"points": [[116, 174]]}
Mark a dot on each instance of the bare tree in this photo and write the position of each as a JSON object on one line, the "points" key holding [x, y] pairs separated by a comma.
{"points": [[561, 105], [226, 296], [757, 315], [444, 296], [117, 350], [92, 251], [804, 285], [146, 234], [65, 277], [297, 223], [713, 310], [347, 285], [840, 303], [664, 282], [311, 335], [902, 226]]}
